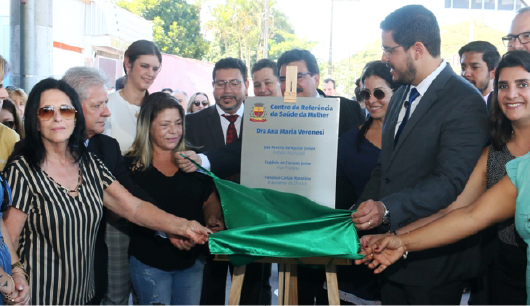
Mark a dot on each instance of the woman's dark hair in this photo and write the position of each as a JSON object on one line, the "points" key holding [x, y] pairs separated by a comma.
{"points": [[32, 148], [379, 69], [19, 125], [139, 48], [499, 125]]}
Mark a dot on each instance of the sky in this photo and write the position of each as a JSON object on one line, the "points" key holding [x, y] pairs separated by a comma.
{"points": [[356, 22]]}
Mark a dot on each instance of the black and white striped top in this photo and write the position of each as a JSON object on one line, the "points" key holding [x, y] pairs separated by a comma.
{"points": [[58, 238]]}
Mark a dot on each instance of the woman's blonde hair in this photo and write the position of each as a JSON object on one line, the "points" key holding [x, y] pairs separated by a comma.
{"points": [[142, 148], [4, 67], [192, 99]]}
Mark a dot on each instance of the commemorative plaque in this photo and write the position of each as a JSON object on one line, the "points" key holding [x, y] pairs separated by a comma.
{"points": [[291, 147]]}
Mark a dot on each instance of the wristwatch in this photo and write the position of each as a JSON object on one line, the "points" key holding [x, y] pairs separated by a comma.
{"points": [[386, 215]]}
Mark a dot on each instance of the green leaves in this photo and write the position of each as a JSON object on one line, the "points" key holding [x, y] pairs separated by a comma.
{"points": [[176, 25]]}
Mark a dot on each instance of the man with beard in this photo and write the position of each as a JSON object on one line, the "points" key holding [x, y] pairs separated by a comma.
{"points": [[433, 135], [211, 128], [479, 60]]}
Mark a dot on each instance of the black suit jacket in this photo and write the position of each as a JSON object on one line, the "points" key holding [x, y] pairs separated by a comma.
{"points": [[108, 150], [204, 134], [226, 160], [427, 169]]}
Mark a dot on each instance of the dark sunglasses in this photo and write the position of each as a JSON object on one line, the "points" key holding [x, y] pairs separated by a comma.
{"points": [[378, 94], [46, 113], [9, 124], [197, 103]]}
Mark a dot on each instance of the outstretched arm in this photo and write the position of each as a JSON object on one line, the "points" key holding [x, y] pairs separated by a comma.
{"points": [[496, 205]]}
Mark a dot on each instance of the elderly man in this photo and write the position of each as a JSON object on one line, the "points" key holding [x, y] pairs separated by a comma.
{"points": [[182, 97], [519, 37], [89, 83]]}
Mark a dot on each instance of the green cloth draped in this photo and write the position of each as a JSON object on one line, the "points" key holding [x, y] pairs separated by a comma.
{"points": [[269, 223]]}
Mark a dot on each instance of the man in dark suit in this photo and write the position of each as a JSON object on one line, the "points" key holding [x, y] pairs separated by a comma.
{"points": [[434, 131], [89, 83], [211, 128], [479, 60], [226, 160]]}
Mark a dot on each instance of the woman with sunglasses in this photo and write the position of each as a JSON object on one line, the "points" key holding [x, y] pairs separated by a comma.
{"points": [[198, 102], [10, 117], [59, 190], [358, 151], [504, 252]]}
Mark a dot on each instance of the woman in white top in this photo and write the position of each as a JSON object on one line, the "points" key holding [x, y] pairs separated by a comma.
{"points": [[141, 64]]}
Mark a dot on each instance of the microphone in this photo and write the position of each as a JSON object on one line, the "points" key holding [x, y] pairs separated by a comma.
{"points": [[407, 104]]}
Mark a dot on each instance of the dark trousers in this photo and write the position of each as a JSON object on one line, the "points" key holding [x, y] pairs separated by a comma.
{"points": [[311, 285], [256, 287], [396, 294]]}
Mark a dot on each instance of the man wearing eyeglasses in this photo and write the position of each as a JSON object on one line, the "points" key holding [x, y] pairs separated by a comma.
{"points": [[519, 37], [434, 132]]}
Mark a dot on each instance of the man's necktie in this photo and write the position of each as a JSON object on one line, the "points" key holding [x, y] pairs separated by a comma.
{"points": [[231, 132], [413, 95]]}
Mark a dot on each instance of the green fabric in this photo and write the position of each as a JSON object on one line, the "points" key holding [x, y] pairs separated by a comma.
{"points": [[268, 223]]}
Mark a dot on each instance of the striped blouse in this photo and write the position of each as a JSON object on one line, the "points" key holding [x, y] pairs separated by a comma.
{"points": [[58, 238]]}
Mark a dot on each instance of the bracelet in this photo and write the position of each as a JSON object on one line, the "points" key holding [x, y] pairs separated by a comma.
{"points": [[9, 300]]}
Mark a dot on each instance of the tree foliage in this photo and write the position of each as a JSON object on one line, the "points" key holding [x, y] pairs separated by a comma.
{"points": [[176, 25], [237, 28]]}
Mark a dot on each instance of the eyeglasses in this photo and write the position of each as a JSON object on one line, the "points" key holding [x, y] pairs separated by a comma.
{"points": [[389, 50], [299, 76], [378, 94], [198, 103], [46, 113], [234, 84], [9, 124], [523, 38]]}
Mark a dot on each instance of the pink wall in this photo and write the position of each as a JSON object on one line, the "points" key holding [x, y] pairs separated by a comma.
{"points": [[186, 74]]}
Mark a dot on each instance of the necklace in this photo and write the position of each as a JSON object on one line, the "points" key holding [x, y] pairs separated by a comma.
{"points": [[122, 94], [76, 189]]}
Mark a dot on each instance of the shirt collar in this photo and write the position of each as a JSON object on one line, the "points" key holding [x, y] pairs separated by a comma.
{"points": [[239, 112], [426, 83]]}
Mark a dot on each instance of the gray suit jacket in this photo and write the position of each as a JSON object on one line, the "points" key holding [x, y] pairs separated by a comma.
{"points": [[428, 168]]}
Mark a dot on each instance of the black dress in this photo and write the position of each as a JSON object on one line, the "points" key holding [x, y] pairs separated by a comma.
{"points": [[182, 195], [507, 274], [357, 284]]}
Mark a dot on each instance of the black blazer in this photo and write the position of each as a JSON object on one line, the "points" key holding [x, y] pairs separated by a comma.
{"points": [[427, 169], [226, 160], [108, 150]]}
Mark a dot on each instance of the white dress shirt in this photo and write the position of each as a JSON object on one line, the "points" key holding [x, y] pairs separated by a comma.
{"points": [[422, 88]]}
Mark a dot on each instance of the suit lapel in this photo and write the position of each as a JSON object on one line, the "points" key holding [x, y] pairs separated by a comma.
{"points": [[215, 127], [425, 104], [391, 119]]}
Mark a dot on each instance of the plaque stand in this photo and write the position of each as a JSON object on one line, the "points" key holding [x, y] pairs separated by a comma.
{"points": [[288, 280]]}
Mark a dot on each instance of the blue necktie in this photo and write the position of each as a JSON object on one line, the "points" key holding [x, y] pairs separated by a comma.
{"points": [[413, 95]]}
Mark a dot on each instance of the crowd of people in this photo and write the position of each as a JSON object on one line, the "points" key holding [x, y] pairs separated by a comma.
{"points": [[100, 199]]}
